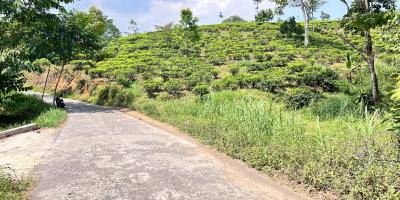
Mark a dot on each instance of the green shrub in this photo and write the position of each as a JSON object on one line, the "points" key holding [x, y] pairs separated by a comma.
{"points": [[320, 77], [201, 90], [291, 27], [152, 86], [174, 86], [234, 70], [300, 97]]}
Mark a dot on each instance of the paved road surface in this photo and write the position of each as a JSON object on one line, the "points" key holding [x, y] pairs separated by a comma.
{"points": [[102, 153]]}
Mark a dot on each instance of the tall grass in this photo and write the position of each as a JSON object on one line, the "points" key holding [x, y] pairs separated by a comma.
{"points": [[351, 154]]}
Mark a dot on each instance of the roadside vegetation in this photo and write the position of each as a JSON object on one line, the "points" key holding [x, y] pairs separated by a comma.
{"points": [[19, 109], [316, 102], [12, 188]]}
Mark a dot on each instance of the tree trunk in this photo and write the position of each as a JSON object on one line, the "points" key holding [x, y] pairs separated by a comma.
{"points": [[371, 67], [45, 83], [58, 81], [306, 24]]}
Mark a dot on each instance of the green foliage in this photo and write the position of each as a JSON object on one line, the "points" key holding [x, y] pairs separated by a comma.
{"points": [[233, 19], [11, 187], [153, 86], [318, 77], [291, 28], [301, 97], [265, 16], [201, 90], [351, 161], [174, 86], [18, 109], [189, 24]]}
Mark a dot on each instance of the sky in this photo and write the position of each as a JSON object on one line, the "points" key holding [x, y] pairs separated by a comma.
{"points": [[148, 13]]}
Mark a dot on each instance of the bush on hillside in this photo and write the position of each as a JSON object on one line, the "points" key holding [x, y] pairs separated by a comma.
{"points": [[201, 90], [301, 97], [291, 28], [316, 76], [152, 86], [233, 19], [174, 86]]}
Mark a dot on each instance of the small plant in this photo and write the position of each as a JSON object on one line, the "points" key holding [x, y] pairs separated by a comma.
{"points": [[301, 97], [201, 90], [234, 70]]}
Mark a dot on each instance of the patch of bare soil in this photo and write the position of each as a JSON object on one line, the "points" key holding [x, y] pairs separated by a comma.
{"points": [[21, 153]]}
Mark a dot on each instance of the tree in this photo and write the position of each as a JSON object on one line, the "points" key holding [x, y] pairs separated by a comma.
{"points": [[257, 2], [361, 18], [290, 27], [76, 35], [306, 6], [325, 16], [265, 16], [24, 28], [189, 24], [233, 19], [133, 28]]}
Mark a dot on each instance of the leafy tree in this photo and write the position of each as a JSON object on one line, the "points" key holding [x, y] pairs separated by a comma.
{"points": [[307, 8], [361, 18], [265, 16], [257, 2], [24, 31], [325, 16], [314, 6], [189, 24], [291, 27], [233, 19], [76, 35]]}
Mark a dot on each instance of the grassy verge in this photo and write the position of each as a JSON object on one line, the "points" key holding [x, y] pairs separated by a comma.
{"points": [[331, 146], [17, 110], [20, 109], [12, 188]]}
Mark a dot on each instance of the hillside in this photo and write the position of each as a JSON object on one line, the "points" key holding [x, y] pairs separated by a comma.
{"points": [[263, 98]]}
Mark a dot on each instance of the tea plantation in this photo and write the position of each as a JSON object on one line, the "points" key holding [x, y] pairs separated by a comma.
{"points": [[258, 95]]}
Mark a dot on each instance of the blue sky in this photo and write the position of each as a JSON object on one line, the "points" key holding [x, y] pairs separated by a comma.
{"points": [[148, 13]]}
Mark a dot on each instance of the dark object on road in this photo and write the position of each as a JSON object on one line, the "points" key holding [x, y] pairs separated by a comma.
{"points": [[60, 102]]}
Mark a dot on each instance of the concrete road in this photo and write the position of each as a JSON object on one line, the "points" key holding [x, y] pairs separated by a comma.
{"points": [[101, 153]]}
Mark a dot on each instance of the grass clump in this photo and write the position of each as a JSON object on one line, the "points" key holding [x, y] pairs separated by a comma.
{"points": [[12, 188], [19, 109]]}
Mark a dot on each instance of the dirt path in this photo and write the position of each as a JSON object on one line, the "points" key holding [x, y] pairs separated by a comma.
{"points": [[102, 153]]}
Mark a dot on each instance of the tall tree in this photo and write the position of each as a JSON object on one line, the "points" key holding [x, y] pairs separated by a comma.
{"points": [[257, 2], [24, 28], [77, 35], [306, 7], [361, 18], [189, 24], [314, 6]]}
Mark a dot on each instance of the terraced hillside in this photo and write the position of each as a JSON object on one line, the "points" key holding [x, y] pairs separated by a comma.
{"points": [[258, 95]]}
